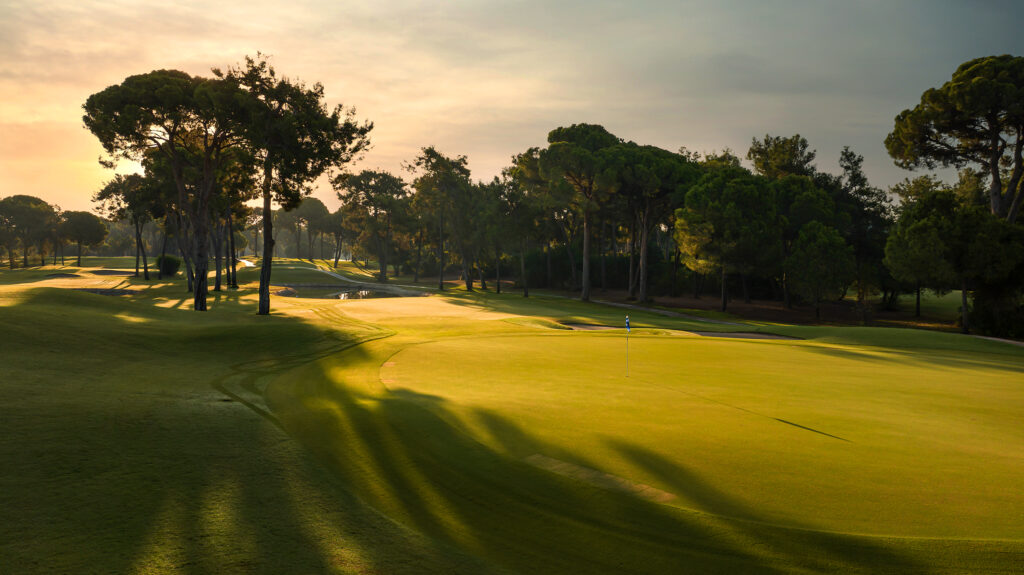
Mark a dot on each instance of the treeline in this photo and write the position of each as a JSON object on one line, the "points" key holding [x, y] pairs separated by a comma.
{"points": [[30, 224], [591, 209], [587, 210], [625, 215]]}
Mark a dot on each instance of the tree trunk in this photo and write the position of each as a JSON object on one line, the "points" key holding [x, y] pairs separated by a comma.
{"points": [[467, 276], [79, 263], [602, 247], [547, 269], [522, 269], [440, 252], [674, 289], [138, 246], [917, 304], [382, 259], [585, 268], [145, 260], [263, 307], [568, 251], [964, 311], [232, 260], [201, 238], [497, 271], [182, 239], [631, 282], [785, 292], [645, 230], [163, 255], [217, 240], [419, 255], [724, 291]]}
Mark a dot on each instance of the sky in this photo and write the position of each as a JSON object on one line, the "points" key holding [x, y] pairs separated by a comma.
{"points": [[490, 78]]}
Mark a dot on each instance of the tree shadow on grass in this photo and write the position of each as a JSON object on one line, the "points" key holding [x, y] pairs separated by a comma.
{"points": [[574, 311], [407, 454], [894, 356], [120, 455]]}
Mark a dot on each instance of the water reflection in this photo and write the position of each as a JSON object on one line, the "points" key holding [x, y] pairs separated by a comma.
{"points": [[362, 294]]}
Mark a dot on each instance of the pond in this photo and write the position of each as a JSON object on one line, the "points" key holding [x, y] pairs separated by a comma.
{"points": [[363, 294]]}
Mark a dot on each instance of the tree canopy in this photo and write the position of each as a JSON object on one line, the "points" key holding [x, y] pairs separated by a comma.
{"points": [[976, 118]]}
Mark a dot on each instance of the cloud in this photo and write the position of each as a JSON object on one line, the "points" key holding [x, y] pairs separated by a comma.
{"points": [[488, 78]]}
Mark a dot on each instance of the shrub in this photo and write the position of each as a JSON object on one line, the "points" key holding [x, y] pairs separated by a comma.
{"points": [[168, 265]]}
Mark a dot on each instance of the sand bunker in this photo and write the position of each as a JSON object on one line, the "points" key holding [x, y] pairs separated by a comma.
{"points": [[112, 273]]}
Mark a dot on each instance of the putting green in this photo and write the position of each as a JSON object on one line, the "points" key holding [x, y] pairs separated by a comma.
{"points": [[867, 450], [829, 437]]}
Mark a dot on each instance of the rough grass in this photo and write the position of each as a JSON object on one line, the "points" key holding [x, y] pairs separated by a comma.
{"points": [[140, 437]]}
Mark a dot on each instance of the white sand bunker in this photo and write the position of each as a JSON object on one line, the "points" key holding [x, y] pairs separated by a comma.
{"points": [[599, 478]]}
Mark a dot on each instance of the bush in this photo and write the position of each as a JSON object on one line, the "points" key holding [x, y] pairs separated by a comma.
{"points": [[168, 265]]}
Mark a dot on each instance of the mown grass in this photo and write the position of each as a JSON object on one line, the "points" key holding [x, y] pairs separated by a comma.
{"points": [[139, 436]]}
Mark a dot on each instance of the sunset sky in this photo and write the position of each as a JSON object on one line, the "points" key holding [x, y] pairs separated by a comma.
{"points": [[490, 78]]}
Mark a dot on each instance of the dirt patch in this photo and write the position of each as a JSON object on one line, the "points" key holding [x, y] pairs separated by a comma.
{"points": [[63, 275], [112, 273], [599, 478], [108, 291], [743, 335]]}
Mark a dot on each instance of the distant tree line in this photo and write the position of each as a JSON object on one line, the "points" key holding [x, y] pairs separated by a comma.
{"points": [[587, 211], [590, 209]]}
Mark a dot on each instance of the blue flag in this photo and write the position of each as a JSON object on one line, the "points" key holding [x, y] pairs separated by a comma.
{"points": [[627, 324]]}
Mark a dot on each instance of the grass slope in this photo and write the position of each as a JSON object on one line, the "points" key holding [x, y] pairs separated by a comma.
{"points": [[473, 433]]}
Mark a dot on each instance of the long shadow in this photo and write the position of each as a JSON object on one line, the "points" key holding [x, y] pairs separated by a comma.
{"points": [[119, 455], [406, 458], [408, 454], [574, 311], [984, 360], [405, 454], [796, 546]]}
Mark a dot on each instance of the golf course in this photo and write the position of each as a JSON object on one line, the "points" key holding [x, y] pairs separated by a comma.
{"points": [[482, 433]]}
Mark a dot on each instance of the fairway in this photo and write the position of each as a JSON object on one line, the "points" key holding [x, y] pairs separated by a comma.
{"points": [[475, 433]]}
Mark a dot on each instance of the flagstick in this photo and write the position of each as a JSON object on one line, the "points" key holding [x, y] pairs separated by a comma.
{"points": [[627, 346]]}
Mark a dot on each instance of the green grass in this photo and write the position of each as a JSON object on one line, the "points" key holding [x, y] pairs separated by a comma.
{"points": [[944, 307], [420, 435]]}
